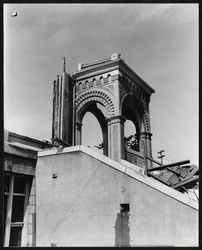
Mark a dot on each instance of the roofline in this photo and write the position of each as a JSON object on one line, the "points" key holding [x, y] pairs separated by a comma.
{"points": [[137, 77], [124, 168], [108, 65], [26, 138], [98, 66]]}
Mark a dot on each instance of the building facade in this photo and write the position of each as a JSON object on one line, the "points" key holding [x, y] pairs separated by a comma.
{"points": [[20, 156], [61, 193], [96, 201]]}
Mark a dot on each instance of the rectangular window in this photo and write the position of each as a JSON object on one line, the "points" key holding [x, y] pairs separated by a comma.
{"points": [[124, 207], [18, 209], [15, 236], [14, 201], [19, 185]]}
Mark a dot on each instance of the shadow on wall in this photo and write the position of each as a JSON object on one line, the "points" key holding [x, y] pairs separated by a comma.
{"points": [[122, 237]]}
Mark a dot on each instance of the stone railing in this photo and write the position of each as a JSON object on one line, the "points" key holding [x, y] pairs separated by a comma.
{"points": [[135, 157]]}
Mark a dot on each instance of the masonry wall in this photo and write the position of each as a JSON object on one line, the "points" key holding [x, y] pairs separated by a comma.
{"points": [[81, 207]]}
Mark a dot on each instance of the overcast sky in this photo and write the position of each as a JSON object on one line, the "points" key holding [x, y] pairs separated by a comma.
{"points": [[158, 41]]}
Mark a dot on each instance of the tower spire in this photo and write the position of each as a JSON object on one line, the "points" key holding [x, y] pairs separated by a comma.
{"points": [[64, 64]]}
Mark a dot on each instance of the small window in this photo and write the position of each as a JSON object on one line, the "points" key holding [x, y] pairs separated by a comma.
{"points": [[19, 185], [18, 209], [124, 207], [15, 237]]}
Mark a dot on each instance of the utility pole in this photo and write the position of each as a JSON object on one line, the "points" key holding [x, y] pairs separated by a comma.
{"points": [[161, 155]]}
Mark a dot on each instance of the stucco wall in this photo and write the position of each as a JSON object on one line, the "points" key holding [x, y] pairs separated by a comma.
{"points": [[81, 206]]}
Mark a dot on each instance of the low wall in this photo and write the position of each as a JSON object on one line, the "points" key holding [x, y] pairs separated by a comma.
{"points": [[135, 157], [79, 201]]}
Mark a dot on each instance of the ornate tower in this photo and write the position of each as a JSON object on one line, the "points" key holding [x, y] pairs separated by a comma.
{"points": [[62, 121], [123, 95]]}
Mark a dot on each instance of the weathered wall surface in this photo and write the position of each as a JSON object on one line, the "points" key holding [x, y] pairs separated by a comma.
{"points": [[81, 207]]}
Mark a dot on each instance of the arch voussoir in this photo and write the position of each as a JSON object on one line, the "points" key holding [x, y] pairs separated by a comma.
{"points": [[96, 96]]}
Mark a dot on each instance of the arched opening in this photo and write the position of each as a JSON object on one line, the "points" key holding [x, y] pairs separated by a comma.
{"points": [[130, 136], [133, 114], [91, 132], [94, 130]]}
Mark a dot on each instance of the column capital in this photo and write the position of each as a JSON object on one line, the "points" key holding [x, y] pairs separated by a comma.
{"points": [[146, 135], [78, 124], [116, 119]]}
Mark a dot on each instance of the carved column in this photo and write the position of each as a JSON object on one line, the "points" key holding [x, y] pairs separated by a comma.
{"points": [[116, 147], [146, 148], [78, 133]]}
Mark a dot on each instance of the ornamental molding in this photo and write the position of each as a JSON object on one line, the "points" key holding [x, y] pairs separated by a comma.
{"points": [[96, 96], [132, 88]]}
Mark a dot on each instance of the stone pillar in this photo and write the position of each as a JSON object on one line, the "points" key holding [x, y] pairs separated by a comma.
{"points": [[78, 133], [116, 145], [145, 147]]}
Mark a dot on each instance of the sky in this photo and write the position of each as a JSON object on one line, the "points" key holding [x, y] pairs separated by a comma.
{"points": [[158, 41]]}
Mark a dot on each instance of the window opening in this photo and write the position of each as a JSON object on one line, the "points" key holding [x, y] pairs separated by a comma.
{"points": [[124, 207], [92, 133], [15, 236], [19, 185], [14, 201], [18, 209], [130, 136]]}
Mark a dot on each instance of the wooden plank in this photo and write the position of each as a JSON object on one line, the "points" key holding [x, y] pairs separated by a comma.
{"points": [[169, 165], [182, 183], [193, 169], [173, 171]]}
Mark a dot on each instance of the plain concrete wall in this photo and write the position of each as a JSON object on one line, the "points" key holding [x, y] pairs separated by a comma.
{"points": [[80, 207]]}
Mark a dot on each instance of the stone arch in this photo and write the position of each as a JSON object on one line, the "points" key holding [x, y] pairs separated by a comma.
{"points": [[86, 102], [134, 109], [94, 96], [141, 109], [93, 109]]}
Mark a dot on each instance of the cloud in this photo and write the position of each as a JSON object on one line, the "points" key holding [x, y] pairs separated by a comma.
{"points": [[158, 41]]}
